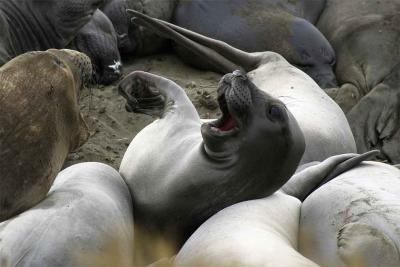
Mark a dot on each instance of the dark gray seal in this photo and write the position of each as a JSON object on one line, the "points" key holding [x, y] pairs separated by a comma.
{"points": [[181, 172], [98, 40], [365, 36], [133, 39], [31, 25], [260, 25]]}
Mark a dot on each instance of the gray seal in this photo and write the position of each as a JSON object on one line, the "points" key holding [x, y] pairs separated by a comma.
{"points": [[262, 232], [181, 172], [354, 220], [98, 40], [85, 220], [260, 25], [323, 123], [365, 37], [31, 25]]}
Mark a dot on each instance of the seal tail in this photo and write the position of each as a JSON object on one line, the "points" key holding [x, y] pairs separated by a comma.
{"points": [[225, 57], [303, 183]]}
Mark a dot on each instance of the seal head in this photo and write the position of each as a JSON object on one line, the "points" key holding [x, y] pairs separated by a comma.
{"points": [[254, 128]]}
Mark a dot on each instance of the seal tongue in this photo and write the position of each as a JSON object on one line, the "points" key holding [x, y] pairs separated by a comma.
{"points": [[228, 124]]}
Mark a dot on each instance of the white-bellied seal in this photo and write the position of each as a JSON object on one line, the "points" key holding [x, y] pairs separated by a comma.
{"points": [[181, 172], [262, 25], [31, 25], [98, 40], [365, 37], [354, 220], [40, 123], [85, 220], [322, 122]]}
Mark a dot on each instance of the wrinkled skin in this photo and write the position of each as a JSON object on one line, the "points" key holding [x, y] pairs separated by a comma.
{"points": [[226, 161], [31, 25], [365, 37], [98, 40], [259, 25], [40, 114]]}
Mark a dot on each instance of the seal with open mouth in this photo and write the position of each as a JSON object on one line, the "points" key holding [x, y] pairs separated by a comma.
{"points": [[181, 172]]}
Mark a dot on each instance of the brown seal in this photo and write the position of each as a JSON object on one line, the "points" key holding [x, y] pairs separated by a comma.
{"points": [[40, 123]]}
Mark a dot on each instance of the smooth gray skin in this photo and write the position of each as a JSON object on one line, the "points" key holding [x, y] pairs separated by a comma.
{"points": [[354, 220], [322, 122], [31, 25], [85, 218], [258, 233], [98, 40], [261, 25], [365, 37], [261, 232], [181, 172]]}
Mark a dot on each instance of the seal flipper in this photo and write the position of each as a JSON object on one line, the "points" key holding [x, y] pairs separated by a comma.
{"points": [[303, 183], [156, 96], [225, 57]]}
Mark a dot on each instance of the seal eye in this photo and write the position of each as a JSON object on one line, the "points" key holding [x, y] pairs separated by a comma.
{"points": [[275, 112]]}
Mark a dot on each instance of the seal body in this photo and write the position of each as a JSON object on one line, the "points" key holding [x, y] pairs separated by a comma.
{"points": [[40, 123], [98, 40], [260, 25], [85, 220], [220, 163], [325, 128], [132, 39], [259, 232], [354, 219], [369, 82], [32, 25]]}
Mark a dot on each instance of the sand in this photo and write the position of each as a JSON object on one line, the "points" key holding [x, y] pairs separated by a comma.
{"points": [[112, 128]]}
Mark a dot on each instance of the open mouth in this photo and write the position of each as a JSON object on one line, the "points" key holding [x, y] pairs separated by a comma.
{"points": [[227, 124]]}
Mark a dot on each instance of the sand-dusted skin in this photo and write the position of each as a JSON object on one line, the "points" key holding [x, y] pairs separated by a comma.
{"points": [[40, 123]]}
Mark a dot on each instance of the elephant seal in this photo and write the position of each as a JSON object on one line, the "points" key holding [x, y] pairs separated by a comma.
{"points": [[260, 25], [31, 25], [98, 40], [354, 220], [132, 39], [250, 152], [40, 116], [262, 232], [369, 82], [85, 220], [322, 122]]}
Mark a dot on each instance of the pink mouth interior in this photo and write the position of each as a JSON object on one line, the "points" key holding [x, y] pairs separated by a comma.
{"points": [[228, 124]]}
